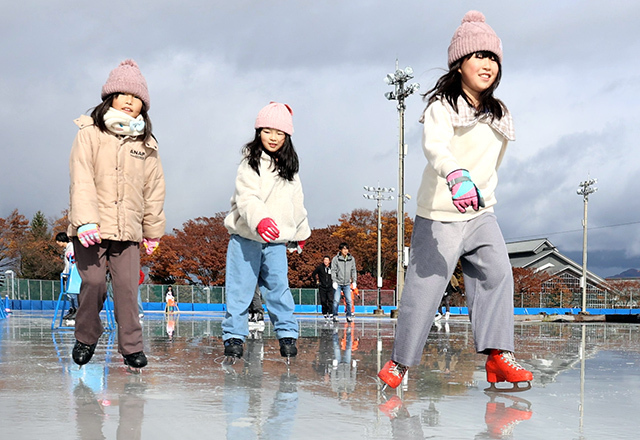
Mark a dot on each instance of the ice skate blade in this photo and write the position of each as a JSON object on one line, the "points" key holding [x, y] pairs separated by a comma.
{"points": [[134, 370], [516, 388], [229, 360]]}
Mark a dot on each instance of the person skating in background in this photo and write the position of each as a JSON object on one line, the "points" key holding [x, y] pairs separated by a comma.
{"points": [[466, 131], [452, 287], [322, 277], [116, 203], [256, 312], [62, 239], [344, 277], [267, 216]]}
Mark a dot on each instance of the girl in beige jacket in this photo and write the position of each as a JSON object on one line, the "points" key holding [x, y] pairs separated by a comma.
{"points": [[116, 202]]}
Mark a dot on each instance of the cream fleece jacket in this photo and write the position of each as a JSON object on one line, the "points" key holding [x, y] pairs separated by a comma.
{"points": [[478, 148], [267, 195]]}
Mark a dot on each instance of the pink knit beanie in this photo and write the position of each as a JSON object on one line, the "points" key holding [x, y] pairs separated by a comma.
{"points": [[127, 78], [474, 35], [276, 115]]}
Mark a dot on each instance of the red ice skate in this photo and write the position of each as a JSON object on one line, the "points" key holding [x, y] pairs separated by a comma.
{"points": [[392, 374], [394, 408], [501, 419], [501, 366]]}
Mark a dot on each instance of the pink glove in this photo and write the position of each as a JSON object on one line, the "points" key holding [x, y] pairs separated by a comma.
{"points": [[150, 244], [268, 230], [89, 234], [301, 244], [463, 191]]}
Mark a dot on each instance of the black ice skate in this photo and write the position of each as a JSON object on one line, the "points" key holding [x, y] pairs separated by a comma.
{"points": [[82, 353], [232, 350], [135, 361], [71, 314], [288, 348]]}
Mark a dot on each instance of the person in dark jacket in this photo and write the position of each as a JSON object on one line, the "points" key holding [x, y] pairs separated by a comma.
{"points": [[322, 277]]}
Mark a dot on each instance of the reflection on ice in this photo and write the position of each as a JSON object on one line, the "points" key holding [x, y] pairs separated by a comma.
{"points": [[329, 389]]}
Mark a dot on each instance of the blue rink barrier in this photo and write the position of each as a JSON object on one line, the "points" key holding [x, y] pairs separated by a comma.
{"points": [[24, 304]]}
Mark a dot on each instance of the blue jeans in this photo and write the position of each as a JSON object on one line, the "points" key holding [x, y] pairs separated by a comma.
{"points": [[346, 289], [249, 263]]}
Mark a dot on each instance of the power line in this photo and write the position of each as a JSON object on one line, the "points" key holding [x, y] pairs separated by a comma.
{"points": [[571, 231]]}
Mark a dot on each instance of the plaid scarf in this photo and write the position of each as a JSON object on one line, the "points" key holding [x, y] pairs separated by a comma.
{"points": [[466, 117]]}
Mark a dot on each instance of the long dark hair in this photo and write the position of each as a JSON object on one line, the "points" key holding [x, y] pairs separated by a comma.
{"points": [[449, 87], [98, 116], [284, 161]]}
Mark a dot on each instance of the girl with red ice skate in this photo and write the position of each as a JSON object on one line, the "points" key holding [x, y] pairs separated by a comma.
{"points": [[466, 131]]}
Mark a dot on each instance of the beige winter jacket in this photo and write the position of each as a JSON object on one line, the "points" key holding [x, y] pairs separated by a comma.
{"points": [[116, 182]]}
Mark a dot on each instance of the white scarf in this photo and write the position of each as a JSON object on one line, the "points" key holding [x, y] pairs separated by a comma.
{"points": [[120, 123]]}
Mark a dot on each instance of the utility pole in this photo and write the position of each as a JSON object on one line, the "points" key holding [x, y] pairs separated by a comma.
{"points": [[399, 80], [584, 189], [379, 197]]}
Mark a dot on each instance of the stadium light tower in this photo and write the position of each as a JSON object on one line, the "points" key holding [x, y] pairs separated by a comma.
{"points": [[401, 91], [379, 196], [584, 189]]}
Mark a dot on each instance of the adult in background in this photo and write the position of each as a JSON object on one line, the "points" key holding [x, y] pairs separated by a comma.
{"points": [[322, 276], [343, 275]]}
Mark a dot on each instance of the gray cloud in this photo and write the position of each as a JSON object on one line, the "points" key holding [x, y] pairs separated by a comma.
{"points": [[569, 79]]}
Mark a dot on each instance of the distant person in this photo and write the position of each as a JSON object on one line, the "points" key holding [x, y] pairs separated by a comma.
{"points": [[62, 239], [344, 277], [140, 281], [116, 203], [322, 277], [267, 213], [445, 303], [256, 312], [466, 132]]}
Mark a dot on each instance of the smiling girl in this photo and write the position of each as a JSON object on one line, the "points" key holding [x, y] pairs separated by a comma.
{"points": [[466, 131], [267, 215], [116, 202]]}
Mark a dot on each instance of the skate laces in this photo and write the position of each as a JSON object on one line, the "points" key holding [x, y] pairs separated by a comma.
{"points": [[232, 341], [510, 360], [287, 341], [397, 369]]}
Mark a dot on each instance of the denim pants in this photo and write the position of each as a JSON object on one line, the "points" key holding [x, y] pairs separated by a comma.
{"points": [[346, 289], [249, 263]]}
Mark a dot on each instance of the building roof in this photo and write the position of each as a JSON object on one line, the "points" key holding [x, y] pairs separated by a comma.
{"points": [[541, 254]]}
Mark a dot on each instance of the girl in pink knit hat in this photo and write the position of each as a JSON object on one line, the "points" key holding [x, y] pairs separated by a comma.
{"points": [[267, 217], [466, 131], [116, 203]]}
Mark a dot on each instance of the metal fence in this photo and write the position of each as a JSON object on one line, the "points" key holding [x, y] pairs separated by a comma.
{"points": [[44, 290], [49, 290]]}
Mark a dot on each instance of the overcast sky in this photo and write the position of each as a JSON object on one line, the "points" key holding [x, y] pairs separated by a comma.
{"points": [[570, 77]]}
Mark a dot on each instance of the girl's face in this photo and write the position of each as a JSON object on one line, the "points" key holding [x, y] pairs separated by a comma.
{"points": [[272, 139], [478, 72], [127, 103]]}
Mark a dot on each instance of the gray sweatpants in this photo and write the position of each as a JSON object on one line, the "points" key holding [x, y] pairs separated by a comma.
{"points": [[436, 248]]}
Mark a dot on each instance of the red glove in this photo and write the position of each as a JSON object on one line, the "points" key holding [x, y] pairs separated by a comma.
{"points": [[268, 230], [301, 244]]}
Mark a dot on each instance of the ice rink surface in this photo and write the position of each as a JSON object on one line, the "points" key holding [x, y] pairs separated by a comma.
{"points": [[586, 384]]}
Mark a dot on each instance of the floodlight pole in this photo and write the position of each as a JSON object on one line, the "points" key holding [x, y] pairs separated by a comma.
{"points": [[379, 198], [399, 79], [584, 190]]}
